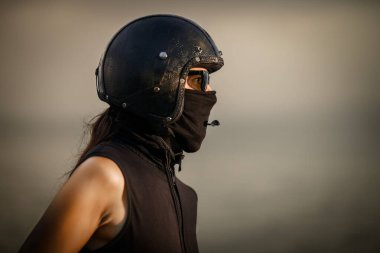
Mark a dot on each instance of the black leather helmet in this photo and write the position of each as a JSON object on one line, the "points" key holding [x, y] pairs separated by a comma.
{"points": [[145, 64]]}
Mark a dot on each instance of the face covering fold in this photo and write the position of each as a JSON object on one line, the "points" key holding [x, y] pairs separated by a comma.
{"points": [[190, 128]]}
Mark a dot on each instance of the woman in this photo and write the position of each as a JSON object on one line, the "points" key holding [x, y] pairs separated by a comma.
{"points": [[123, 194]]}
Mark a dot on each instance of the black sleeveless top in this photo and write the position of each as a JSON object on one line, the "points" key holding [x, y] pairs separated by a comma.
{"points": [[162, 210]]}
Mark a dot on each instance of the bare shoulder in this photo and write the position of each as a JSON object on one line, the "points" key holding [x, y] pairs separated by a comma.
{"points": [[104, 183], [101, 170], [90, 199]]}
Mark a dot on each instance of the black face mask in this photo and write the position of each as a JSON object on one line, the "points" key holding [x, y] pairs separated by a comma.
{"points": [[190, 128]]}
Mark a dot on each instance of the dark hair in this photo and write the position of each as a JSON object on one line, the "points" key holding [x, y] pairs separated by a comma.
{"points": [[99, 128]]}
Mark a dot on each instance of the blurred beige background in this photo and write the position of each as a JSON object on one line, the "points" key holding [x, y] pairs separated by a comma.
{"points": [[294, 166]]}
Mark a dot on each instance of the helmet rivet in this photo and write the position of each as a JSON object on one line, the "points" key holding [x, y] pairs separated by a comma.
{"points": [[168, 119], [156, 89], [107, 97], [197, 59], [163, 55], [182, 81], [124, 105], [199, 49]]}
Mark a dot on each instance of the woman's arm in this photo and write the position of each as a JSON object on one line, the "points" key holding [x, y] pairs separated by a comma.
{"points": [[79, 208]]}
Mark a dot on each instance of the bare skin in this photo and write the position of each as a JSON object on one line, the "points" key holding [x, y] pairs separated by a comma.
{"points": [[90, 209], [91, 201]]}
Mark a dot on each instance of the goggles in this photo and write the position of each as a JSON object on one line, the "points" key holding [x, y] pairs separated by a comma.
{"points": [[201, 82]]}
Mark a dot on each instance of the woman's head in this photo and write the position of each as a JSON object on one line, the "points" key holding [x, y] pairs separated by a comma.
{"points": [[146, 64]]}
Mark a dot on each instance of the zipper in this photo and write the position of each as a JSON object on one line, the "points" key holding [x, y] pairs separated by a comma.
{"points": [[174, 190]]}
